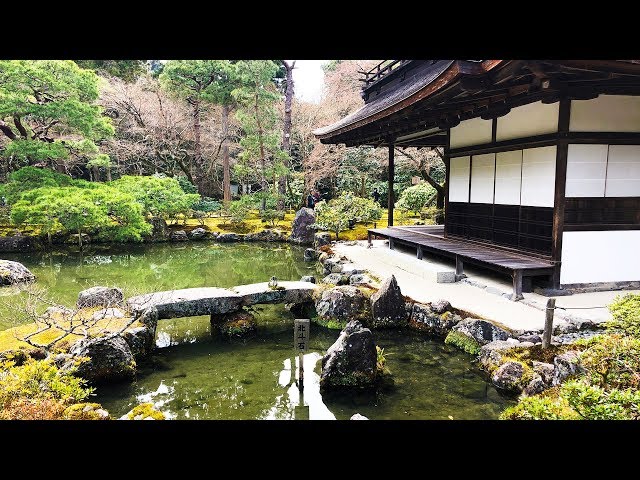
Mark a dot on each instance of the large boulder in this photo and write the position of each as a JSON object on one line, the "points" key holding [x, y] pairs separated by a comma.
{"points": [[351, 361], [12, 273], [544, 370], [441, 306], [16, 243], [107, 359], [140, 340], [321, 239], [535, 386], [159, 230], [342, 303], [388, 306], [198, 233], [423, 318], [565, 366], [100, 297], [509, 376], [178, 236], [301, 231], [360, 279]]}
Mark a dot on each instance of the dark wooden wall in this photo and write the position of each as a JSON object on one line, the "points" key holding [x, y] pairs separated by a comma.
{"points": [[602, 213], [516, 226]]}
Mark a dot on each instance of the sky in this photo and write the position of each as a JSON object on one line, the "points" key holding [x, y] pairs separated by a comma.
{"points": [[308, 79]]}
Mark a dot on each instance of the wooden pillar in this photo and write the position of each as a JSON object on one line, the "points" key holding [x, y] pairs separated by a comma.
{"points": [[447, 166], [562, 150], [390, 185], [459, 269], [517, 286]]}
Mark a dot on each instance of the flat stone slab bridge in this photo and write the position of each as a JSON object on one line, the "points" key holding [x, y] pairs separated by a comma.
{"points": [[192, 302]]}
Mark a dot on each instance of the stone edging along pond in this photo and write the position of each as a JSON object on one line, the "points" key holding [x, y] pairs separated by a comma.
{"points": [[513, 359]]}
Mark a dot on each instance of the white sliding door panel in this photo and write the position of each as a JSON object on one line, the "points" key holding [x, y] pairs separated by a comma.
{"points": [[586, 170], [508, 177], [482, 178], [459, 179], [623, 171], [538, 176]]}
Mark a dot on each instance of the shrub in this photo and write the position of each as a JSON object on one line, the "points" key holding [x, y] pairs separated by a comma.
{"points": [[415, 197], [541, 407], [186, 185], [612, 361], [272, 216], [207, 205], [335, 215], [626, 314], [39, 380]]}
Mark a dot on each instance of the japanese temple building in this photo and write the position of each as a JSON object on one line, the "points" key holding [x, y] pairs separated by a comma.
{"points": [[542, 162]]}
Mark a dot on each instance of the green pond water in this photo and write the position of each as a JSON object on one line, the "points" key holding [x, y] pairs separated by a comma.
{"points": [[195, 374]]}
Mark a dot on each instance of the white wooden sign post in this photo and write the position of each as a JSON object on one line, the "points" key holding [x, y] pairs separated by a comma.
{"points": [[300, 344]]}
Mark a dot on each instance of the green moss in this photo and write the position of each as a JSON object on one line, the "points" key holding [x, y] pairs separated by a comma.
{"points": [[77, 412], [463, 342], [146, 410], [549, 406], [353, 380], [331, 324]]}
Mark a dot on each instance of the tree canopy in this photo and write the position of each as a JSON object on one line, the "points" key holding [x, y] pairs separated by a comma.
{"points": [[48, 111]]}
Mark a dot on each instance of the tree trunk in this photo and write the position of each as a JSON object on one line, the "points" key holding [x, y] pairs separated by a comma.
{"points": [[226, 181], [96, 174], [197, 147], [108, 173], [286, 131], [263, 179], [80, 238]]}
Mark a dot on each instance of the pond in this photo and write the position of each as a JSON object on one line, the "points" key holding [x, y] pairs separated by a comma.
{"points": [[196, 375]]}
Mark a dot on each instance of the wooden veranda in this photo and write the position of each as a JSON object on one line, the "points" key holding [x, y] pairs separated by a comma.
{"points": [[431, 239]]}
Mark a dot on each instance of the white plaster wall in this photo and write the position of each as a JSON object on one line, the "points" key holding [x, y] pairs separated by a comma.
{"points": [[508, 177], [607, 256], [459, 179], [470, 132], [482, 178], [607, 113], [623, 171], [586, 170], [533, 119], [538, 176]]}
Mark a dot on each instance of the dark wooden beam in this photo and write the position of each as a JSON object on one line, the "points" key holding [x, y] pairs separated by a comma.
{"points": [[390, 198], [560, 183]]}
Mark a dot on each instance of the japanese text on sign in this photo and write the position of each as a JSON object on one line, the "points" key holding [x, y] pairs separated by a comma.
{"points": [[301, 334]]}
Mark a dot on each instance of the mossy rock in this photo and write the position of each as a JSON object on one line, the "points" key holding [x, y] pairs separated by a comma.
{"points": [[85, 411], [144, 411], [463, 342], [235, 325]]}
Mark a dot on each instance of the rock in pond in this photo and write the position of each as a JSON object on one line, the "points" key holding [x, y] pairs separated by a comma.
{"points": [[17, 243], [265, 235], [423, 318], [490, 356], [509, 376], [179, 236], [301, 231], [388, 306], [235, 325], [74, 239], [12, 273], [342, 303], [357, 416], [100, 297], [470, 334], [140, 340], [441, 306], [144, 411], [351, 361], [159, 230], [311, 255], [308, 278], [334, 279], [229, 237], [321, 239], [109, 359], [198, 233]]}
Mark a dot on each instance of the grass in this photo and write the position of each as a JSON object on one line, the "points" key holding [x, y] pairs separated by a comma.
{"points": [[10, 339]]}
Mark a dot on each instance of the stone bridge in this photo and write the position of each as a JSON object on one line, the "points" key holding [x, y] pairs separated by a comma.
{"points": [[192, 302]]}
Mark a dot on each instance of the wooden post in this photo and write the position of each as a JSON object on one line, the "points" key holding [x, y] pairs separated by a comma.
{"points": [[517, 286], [300, 343], [369, 238], [548, 323], [419, 252], [459, 269], [390, 185]]}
